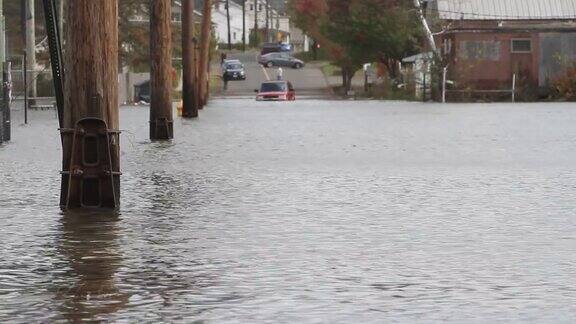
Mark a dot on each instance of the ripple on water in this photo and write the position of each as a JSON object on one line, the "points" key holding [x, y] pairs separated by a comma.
{"points": [[344, 212]]}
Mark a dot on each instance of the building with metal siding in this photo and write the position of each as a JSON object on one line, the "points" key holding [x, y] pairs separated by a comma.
{"points": [[486, 42]]}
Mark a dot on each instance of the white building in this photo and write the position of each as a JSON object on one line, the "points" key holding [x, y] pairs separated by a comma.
{"points": [[220, 22], [219, 19], [277, 21]]}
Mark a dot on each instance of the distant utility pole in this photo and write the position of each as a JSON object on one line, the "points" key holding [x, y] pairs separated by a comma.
{"points": [[91, 147], [31, 46], [267, 21], [189, 94], [255, 23], [228, 21], [205, 38], [161, 123], [278, 26], [2, 35], [243, 25]]}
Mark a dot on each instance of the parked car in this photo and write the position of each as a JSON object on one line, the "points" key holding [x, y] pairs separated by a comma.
{"points": [[276, 91], [233, 71], [280, 59], [224, 62], [275, 48]]}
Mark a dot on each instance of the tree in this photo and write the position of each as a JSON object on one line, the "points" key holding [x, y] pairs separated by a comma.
{"points": [[134, 36], [313, 17], [392, 36], [337, 28], [360, 31]]}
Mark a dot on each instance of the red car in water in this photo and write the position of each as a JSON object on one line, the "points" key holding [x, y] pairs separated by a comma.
{"points": [[276, 91]]}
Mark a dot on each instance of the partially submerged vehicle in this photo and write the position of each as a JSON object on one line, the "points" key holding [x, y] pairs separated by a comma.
{"points": [[276, 91]]}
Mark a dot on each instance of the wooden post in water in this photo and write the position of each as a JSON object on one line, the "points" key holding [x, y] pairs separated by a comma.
{"points": [[189, 94], [91, 159], [205, 38], [161, 121]]}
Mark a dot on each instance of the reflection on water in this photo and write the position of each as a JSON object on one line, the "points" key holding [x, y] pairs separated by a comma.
{"points": [[309, 212], [89, 243]]}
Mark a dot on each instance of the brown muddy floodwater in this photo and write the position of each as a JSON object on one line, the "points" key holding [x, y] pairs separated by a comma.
{"points": [[308, 212]]}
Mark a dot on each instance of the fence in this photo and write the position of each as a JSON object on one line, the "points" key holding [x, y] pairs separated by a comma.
{"points": [[445, 91]]}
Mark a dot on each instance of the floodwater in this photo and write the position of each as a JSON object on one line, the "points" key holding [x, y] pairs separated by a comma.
{"points": [[306, 212]]}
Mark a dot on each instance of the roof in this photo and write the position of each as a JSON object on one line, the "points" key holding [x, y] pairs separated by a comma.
{"points": [[505, 9]]}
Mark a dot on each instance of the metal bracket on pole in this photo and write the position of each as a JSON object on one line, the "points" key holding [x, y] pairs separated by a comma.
{"points": [[162, 128], [93, 178]]}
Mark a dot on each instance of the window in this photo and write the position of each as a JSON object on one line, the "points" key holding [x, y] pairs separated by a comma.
{"points": [[479, 50], [521, 46], [259, 7], [273, 87], [234, 35], [251, 7]]}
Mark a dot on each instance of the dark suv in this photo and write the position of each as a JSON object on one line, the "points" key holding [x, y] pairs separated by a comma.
{"points": [[233, 71]]}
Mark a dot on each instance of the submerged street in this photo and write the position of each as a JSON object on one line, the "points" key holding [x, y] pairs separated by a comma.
{"points": [[305, 212], [308, 81]]}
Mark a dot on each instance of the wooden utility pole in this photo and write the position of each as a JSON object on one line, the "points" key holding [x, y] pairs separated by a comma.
{"points": [[205, 38], [2, 34], [228, 22], [243, 25], [161, 122], [278, 33], [255, 23], [267, 21], [91, 147], [189, 94]]}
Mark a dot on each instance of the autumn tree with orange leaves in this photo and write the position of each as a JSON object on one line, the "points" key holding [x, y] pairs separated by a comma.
{"points": [[360, 31]]}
